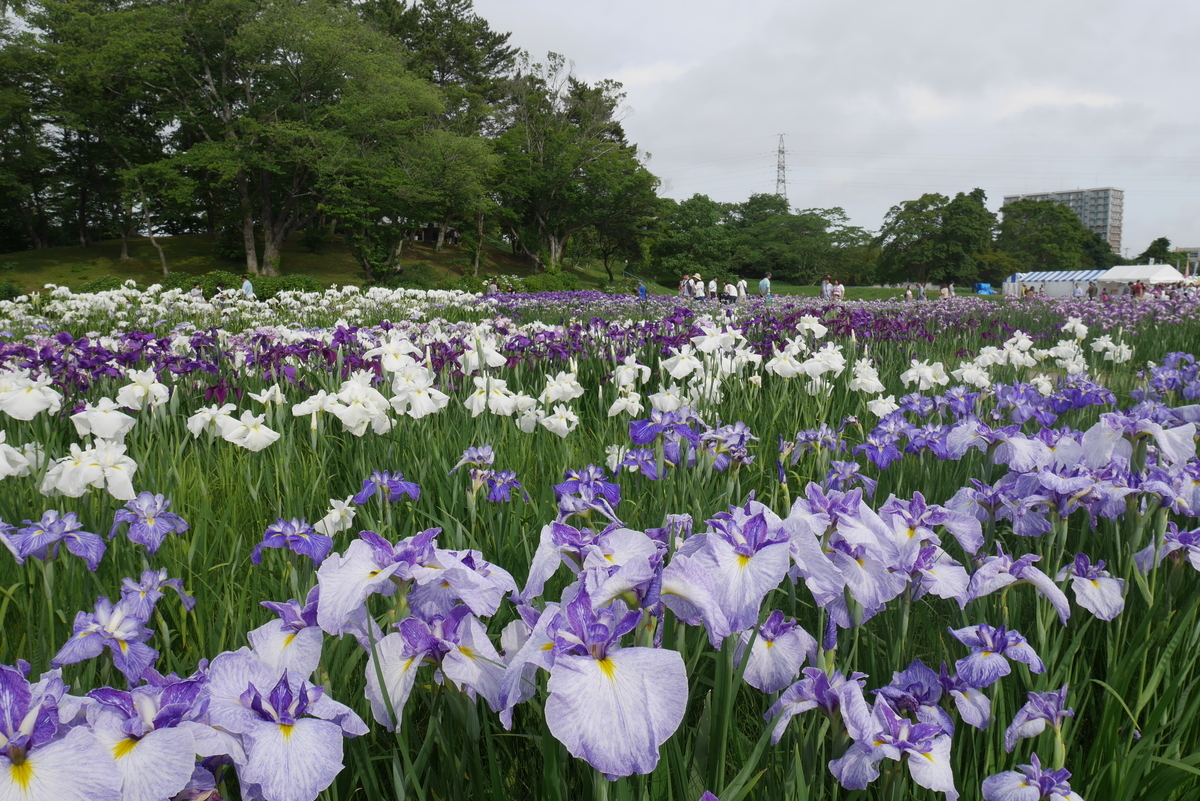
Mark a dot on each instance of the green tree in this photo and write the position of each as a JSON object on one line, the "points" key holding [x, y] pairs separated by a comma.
{"points": [[1042, 235], [1159, 251], [696, 237], [562, 154], [1098, 254], [935, 238]]}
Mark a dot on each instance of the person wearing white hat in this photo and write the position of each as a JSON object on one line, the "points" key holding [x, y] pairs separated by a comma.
{"points": [[699, 288]]}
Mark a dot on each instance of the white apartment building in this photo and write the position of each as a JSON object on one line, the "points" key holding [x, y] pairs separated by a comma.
{"points": [[1100, 210]]}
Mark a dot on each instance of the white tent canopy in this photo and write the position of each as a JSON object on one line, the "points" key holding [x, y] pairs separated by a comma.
{"points": [[1055, 283], [1146, 273]]}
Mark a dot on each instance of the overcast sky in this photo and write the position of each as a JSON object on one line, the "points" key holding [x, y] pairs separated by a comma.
{"points": [[882, 101]]}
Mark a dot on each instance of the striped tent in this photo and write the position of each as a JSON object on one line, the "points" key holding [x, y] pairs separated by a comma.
{"points": [[1056, 283]]}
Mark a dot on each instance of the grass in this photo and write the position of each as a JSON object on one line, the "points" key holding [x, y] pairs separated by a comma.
{"points": [[193, 254]]}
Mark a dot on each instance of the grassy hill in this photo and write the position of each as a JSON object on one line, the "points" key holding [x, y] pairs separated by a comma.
{"points": [[334, 264], [193, 254]]}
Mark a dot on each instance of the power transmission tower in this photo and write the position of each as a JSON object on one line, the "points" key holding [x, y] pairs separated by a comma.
{"points": [[781, 171]]}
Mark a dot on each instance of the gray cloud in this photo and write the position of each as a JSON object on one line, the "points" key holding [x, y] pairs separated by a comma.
{"points": [[882, 101]]}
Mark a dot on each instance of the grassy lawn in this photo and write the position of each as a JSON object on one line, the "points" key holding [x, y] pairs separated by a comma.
{"points": [[193, 254]]}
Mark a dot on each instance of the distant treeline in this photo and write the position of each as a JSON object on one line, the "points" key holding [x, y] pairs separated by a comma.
{"points": [[384, 121]]}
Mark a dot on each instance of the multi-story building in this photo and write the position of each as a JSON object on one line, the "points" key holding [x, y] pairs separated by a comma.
{"points": [[1191, 265], [1101, 210]]}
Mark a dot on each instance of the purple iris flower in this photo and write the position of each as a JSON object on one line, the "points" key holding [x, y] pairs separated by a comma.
{"points": [[723, 575], [843, 476], [152, 733], [478, 456], [913, 521], [142, 595], [457, 645], [292, 732], [41, 540], [293, 642], [586, 491], [729, 445], [117, 627], [297, 536], [611, 706], [991, 648], [644, 432], [817, 690], [1030, 783], [1095, 588], [973, 706], [917, 690], [149, 521], [33, 756], [1002, 570], [395, 485], [918, 404], [778, 651], [880, 449], [501, 483], [370, 565], [1031, 719], [880, 733], [642, 460], [1177, 544], [590, 481]]}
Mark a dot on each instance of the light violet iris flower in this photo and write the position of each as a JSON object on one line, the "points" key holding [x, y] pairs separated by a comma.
{"points": [[36, 763], [611, 706]]}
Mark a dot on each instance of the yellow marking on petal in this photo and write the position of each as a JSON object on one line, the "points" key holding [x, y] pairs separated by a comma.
{"points": [[770, 643], [124, 646], [150, 521], [743, 560], [608, 556], [878, 743], [929, 757], [288, 640], [22, 774], [445, 585], [985, 653], [1095, 583], [548, 646], [286, 731], [467, 652], [607, 667], [912, 532], [123, 747]]}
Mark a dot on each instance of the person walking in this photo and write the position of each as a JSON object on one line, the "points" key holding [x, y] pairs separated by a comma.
{"points": [[921, 291], [1091, 290], [826, 288], [729, 293], [764, 287], [712, 288], [641, 289], [697, 287], [838, 292], [741, 288], [248, 289]]}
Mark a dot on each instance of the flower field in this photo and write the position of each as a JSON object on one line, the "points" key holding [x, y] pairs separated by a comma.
{"points": [[398, 544]]}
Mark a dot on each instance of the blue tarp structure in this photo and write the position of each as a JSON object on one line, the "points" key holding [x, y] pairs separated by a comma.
{"points": [[1057, 283]]}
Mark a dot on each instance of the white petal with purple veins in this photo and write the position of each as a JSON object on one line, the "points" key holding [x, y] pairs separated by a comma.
{"points": [[293, 763], [616, 712], [297, 652]]}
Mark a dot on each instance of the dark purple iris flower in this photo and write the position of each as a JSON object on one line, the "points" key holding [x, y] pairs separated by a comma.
{"points": [[297, 536], [394, 484]]}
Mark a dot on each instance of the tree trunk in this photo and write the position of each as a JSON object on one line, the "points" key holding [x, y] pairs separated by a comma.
{"points": [[162, 257], [441, 239], [243, 189], [556, 246], [85, 239], [478, 241]]}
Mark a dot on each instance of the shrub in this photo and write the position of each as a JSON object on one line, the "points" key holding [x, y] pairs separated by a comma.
{"points": [[10, 290], [209, 281], [105, 283]]}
